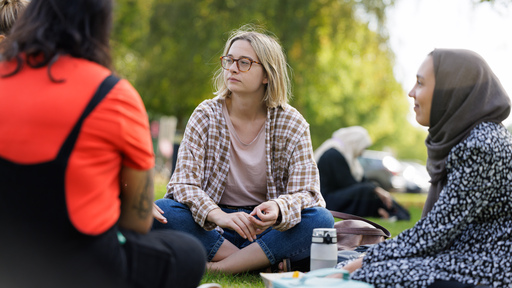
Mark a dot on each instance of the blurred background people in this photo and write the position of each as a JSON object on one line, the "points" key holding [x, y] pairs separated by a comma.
{"points": [[76, 162], [342, 179]]}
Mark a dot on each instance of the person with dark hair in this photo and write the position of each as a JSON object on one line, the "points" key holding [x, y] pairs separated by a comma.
{"points": [[76, 162], [246, 183], [464, 237], [9, 12]]}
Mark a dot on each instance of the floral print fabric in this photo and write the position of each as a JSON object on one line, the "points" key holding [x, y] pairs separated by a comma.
{"points": [[467, 236]]}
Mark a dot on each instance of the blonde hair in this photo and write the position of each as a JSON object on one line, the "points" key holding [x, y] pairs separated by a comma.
{"points": [[9, 12], [273, 59]]}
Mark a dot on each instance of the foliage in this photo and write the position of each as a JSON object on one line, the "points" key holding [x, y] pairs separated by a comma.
{"points": [[342, 71], [131, 27]]}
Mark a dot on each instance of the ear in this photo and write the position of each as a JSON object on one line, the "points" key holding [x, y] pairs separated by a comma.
{"points": [[265, 79], [2, 37]]}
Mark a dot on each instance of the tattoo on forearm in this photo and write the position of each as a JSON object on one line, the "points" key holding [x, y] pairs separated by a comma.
{"points": [[144, 205]]}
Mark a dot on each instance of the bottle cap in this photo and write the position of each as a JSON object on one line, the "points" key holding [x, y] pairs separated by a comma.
{"points": [[324, 236]]}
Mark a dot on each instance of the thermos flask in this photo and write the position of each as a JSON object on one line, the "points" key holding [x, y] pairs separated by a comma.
{"points": [[324, 250]]}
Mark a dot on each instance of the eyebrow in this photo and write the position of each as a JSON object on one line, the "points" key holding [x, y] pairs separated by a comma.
{"points": [[240, 56]]}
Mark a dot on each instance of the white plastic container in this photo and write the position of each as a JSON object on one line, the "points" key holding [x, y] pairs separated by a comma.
{"points": [[324, 250]]}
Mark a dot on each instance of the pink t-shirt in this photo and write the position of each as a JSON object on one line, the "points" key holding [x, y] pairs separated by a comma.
{"points": [[246, 183]]}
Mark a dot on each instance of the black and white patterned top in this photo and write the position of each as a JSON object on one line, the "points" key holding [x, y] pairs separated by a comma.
{"points": [[467, 236]]}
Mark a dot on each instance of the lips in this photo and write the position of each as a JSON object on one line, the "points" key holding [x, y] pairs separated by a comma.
{"points": [[232, 79]]}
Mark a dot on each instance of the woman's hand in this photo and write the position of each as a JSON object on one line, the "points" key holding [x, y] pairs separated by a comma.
{"points": [[157, 214], [384, 196], [238, 221], [350, 268], [354, 265], [267, 212]]}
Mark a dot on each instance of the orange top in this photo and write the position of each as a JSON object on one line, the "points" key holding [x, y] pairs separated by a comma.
{"points": [[36, 115]]}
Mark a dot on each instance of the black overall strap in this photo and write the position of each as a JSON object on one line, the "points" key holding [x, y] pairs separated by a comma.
{"points": [[102, 91], [37, 191], [37, 234]]}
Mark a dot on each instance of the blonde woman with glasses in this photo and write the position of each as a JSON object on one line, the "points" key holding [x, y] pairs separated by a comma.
{"points": [[246, 183]]}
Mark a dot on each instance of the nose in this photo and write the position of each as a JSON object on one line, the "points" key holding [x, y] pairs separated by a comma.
{"points": [[411, 93], [234, 67]]}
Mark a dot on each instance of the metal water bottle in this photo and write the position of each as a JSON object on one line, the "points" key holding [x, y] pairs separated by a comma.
{"points": [[324, 249]]}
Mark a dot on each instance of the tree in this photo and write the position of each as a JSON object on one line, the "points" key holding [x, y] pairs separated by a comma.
{"points": [[131, 28], [342, 70]]}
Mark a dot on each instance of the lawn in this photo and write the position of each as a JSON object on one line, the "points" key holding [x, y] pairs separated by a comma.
{"points": [[413, 202]]}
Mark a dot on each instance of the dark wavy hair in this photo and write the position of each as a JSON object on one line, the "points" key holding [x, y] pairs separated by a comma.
{"points": [[50, 28]]}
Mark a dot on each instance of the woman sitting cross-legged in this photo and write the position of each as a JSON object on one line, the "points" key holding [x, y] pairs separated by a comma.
{"points": [[246, 184]]}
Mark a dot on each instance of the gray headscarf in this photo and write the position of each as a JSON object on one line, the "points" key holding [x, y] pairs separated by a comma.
{"points": [[466, 94]]}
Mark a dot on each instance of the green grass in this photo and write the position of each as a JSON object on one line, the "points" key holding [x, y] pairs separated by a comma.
{"points": [[245, 280], [413, 202], [160, 186]]}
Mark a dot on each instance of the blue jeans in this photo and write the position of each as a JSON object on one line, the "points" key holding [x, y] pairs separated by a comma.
{"points": [[294, 243]]}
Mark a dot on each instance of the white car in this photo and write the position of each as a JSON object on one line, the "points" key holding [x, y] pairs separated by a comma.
{"points": [[383, 170], [416, 176]]}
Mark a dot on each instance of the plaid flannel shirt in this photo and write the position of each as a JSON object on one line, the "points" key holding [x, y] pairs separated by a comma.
{"points": [[203, 164]]}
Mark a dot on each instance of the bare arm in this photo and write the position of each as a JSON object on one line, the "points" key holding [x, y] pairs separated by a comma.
{"points": [[354, 265], [137, 193]]}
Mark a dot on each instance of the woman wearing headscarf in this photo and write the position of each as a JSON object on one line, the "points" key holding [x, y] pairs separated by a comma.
{"points": [[464, 238], [342, 181]]}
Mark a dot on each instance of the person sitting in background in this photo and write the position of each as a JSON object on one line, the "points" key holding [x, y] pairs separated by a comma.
{"points": [[464, 238], [9, 12], [246, 183], [342, 180], [76, 162]]}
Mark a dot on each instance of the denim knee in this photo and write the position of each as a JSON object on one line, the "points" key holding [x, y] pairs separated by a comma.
{"points": [[295, 243], [178, 212], [180, 218], [319, 216]]}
